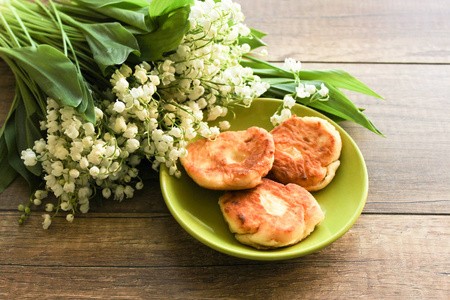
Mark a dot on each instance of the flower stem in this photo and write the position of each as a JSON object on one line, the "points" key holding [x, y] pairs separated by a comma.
{"points": [[9, 31]]}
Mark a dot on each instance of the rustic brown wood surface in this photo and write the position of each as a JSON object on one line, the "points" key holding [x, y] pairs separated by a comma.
{"points": [[399, 247], [405, 31]]}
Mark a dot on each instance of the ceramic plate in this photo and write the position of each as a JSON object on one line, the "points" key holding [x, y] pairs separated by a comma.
{"points": [[197, 210]]}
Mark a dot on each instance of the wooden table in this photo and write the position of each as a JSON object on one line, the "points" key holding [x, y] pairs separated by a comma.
{"points": [[399, 247]]}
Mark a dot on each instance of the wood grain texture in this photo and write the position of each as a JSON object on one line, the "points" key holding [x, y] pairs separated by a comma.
{"points": [[408, 170], [352, 30], [380, 257]]}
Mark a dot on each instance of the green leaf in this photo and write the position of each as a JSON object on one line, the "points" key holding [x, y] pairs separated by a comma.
{"points": [[86, 95], [286, 87], [117, 3], [110, 43], [264, 69], [335, 77], [14, 159], [26, 133], [59, 79], [263, 73], [337, 105], [29, 100], [168, 35], [30, 110], [254, 40], [79, 12], [89, 111], [276, 80], [257, 33], [52, 71], [131, 12], [340, 79], [162, 7], [8, 172]]}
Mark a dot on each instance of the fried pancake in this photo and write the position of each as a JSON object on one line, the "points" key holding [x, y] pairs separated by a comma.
{"points": [[271, 215], [235, 160], [307, 152]]}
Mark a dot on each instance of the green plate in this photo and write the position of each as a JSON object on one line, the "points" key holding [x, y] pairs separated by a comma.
{"points": [[197, 210]]}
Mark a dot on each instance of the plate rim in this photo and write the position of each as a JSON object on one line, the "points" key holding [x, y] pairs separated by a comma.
{"points": [[265, 255]]}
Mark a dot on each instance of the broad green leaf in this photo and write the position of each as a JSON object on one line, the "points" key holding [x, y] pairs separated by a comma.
{"points": [[110, 43], [338, 104], [133, 13], [86, 95], [287, 88], [135, 31], [167, 37], [159, 8], [8, 172], [265, 68], [257, 33], [32, 107], [78, 12], [256, 66], [53, 72], [341, 106], [276, 80], [59, 80], [26, 133], [89, 111], [263, 73], [275, 93], [116, 3], [340, 79], [254, 40], [337, 78], [14, 159]]}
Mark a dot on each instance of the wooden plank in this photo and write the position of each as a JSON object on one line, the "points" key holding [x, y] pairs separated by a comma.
{"points": [[380, 257], [352, 30], [408, 170], [147, 200]]}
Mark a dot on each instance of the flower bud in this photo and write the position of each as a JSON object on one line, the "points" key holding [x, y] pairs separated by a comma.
{"points": [[69, 218], [106, 192], [49, 207]]}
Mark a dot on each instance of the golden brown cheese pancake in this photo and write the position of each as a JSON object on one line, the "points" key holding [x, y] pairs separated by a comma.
{"points": [[235, 160], [307, 152], [271, 215]]}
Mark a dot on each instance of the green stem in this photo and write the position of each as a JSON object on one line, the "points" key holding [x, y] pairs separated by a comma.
{"points": [[4, 42], [63, 33], [33, 44], [8, 29], [57, 21], [29, 7], [286, 73], [21, 37]]}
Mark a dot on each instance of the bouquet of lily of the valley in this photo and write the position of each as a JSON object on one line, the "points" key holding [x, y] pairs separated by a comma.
{"points": [[103, 85]]}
